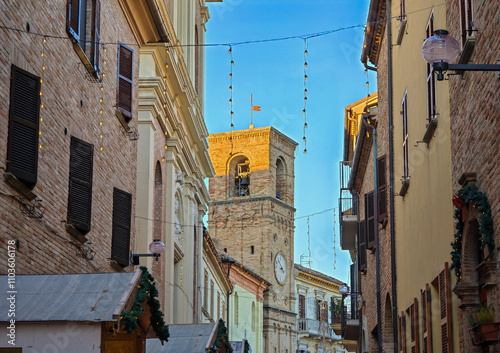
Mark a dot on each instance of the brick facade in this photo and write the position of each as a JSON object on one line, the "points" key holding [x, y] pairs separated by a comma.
{"points": [[71, 107], [253, 229]]}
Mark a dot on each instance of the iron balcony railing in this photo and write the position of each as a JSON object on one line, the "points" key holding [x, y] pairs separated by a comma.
{"points": [[315, 327]]}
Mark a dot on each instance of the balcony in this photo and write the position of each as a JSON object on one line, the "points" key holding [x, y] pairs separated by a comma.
{"points": [[348, 210], [315, 328]]}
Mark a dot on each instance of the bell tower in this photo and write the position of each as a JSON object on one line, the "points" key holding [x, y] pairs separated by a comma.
{"points": [[251, 217]]}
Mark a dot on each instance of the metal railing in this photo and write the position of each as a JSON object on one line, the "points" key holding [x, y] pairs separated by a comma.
{"points": [[315, 327]]}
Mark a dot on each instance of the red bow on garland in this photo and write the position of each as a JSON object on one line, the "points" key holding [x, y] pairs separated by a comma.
{"points": [[460, 203]]}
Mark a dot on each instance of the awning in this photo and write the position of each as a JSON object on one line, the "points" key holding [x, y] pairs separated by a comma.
{"points": [[90, 297]]}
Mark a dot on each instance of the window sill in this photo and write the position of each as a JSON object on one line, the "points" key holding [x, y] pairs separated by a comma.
{"points": [[19, 186], [75, 233], [86, 62], [401, 33], [466, 53], [404, 187], [123, 120], [116, 266], [429, 133]]}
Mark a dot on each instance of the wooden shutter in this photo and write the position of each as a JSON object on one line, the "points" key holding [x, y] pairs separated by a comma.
{"points": [[361, 246], [413, 311], [80, 184], [120, 244], [426, 319], [318, 309], [402, 333], [73, 18], [382, 188], [370, 220], [125, 81], [444, 299], [24, 120], [354, 289], [302, 306], [96, 35]]}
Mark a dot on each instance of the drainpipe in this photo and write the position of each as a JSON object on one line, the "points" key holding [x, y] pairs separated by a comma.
{"points": [[373, 68], [377, 241], [391, 182]]}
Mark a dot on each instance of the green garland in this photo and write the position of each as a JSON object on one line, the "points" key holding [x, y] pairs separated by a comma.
{"points": [[147, 290], [221, 339], [473, 195]]}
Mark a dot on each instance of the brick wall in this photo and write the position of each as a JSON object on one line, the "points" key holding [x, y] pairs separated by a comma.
{"points": [[71, 108]]}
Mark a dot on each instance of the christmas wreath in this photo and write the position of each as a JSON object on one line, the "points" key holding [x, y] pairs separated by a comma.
{"points": [[147, 291], [472, 195]]}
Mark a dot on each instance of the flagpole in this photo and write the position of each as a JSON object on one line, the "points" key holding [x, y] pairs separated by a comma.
{"points": [[251, 110]]}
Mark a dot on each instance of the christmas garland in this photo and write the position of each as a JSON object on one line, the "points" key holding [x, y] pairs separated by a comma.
{"points": [[473, 195], [147, 290], [221, 339]]}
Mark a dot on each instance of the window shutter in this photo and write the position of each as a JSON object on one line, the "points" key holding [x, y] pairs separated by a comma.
{"points": [[73, 18], [402, 333], [382, 188], [96, 35], [361, 246], [125, 80], [370, 220], [426, 319], [318, 309], [80, 184], [414, 326], [444, 299], [354, 289], [24, 114], [120, 244], [302, 306]]}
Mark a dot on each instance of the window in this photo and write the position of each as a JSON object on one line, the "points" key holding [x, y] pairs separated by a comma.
{"points": [[402, 5], [252, 250], [404, 113], [218, 306], [402, 333], [302, 306], [205, 291], [426, 319], [370, 220], [442, 285], [124, 91], [254, 318], [239, 170], [223, 311], [24, 120], [120, 241], [431, 79], [382, 188], [280, 178], [362, 246], [236, 309], [413, 314], [466, 21], [83, 24], [212, 291], [80, 185]]}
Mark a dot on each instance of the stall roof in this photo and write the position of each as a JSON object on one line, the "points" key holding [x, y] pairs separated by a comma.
{"points": [[188, 338], [93, 297]]}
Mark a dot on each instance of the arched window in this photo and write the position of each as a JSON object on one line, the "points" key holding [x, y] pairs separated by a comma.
{"points": [[254, 318], [236, 309], [157, 203], [280, 179], [239, 176]]}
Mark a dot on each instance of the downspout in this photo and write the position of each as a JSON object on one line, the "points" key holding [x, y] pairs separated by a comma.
{"points": [[377, 241], [373, 68], [391, 182]]}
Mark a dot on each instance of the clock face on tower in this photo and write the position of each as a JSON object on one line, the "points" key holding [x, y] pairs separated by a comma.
{"points": [[280, 268]]}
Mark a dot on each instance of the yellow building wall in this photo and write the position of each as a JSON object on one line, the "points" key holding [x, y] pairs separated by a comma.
{"points": [[424, 217]]}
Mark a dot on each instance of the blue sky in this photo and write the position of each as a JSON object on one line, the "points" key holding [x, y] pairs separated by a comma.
{"points": [[274, 73]]}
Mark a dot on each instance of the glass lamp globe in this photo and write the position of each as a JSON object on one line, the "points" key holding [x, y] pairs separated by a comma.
{"points": [[344, 289], [156, 247], [440, 47]]}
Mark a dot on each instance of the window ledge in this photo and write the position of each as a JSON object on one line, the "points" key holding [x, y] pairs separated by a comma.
{"points": [[401, 33], [429, 133], [76, 233], [122, 119], [116, 266], [86, 62], [19, 186], [466, 53], [404, 187]]}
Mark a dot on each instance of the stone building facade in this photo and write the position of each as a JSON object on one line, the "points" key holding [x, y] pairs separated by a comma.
{"points": [[474, 103], [69, 167], [251, 217]]}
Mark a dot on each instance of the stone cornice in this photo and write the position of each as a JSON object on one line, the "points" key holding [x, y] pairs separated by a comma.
{"points": [[250, 199], [317, 280]]}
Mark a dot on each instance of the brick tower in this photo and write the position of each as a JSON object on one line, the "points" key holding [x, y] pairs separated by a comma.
{"points": [[251, 217]]}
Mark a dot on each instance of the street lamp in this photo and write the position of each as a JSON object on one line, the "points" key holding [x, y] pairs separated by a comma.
{"points": [[344, 289], [441, 49], [156, 248]]}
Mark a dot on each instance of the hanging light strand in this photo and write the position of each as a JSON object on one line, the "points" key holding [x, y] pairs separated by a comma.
{"points": [[231, 85], [334, 241], [309, 242], [42, 98], [305, 96]]}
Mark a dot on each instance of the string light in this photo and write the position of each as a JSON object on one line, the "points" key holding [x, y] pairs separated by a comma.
{"points": [[334, 242], [305, 96], [231, 85], [309, 241]]}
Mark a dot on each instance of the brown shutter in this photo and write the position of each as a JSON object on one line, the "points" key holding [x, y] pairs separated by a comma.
{"points": [[402, 333], [120, 243], [361, 246], [73, 18], [80, 184], [125, 81], [24, 119], [413, 311], [444, 299], [426, 319], [370, 220], [302, 306], [96, 35], [382, 188]]}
